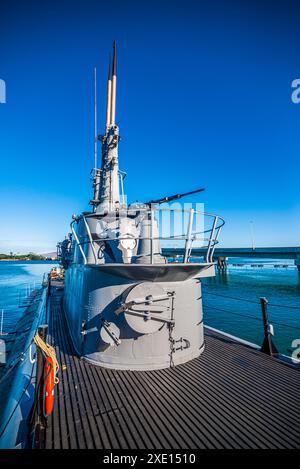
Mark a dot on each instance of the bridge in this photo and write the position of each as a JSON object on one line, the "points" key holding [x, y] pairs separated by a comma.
{"points": [[221, 254]]}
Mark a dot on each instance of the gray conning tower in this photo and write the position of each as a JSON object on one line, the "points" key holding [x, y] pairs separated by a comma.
{"points": [[127, 305]]}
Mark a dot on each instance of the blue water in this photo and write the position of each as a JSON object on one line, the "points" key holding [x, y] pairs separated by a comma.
{"points": [[281, 286], [17, 279]]}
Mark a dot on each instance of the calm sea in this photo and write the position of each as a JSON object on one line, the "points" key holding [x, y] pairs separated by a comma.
{"points": [[231, 299], [17, 279]]}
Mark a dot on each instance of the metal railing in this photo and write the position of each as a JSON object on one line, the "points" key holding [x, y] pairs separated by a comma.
{"points": [[208, 237]]}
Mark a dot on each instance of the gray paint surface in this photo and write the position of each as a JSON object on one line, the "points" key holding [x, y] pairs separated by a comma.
{"points": [[93, 295]]}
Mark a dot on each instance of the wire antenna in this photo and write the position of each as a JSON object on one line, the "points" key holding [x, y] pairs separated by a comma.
{"points": [[95, 121]]}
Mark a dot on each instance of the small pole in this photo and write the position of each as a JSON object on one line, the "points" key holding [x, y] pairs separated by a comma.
{"points": [[252, 235], [151, 234], [39, 421], [95, 122], [267, 347], [189, 236], [48, 293], [1, 328]]}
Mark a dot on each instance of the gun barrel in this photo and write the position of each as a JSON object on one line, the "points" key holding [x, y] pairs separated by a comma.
{"points": [[173, 197]]}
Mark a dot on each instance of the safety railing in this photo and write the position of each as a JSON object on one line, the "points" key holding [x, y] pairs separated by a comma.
{"points": [[197, 227]]}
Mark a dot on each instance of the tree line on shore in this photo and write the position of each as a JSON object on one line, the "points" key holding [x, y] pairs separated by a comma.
{"points": [[31, 256]]}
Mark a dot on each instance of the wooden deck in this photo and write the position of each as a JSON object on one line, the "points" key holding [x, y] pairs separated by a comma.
{"points": [[231, 397]]}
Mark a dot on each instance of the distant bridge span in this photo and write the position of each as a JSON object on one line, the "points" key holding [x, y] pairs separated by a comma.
{"points": [[221, 253]]}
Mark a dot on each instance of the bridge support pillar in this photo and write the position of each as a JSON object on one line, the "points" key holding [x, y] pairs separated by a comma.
{"points": [[222, 263], [297, 263]]}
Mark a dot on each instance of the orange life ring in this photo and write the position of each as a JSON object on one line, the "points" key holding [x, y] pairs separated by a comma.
{"points": [[49, 386]]}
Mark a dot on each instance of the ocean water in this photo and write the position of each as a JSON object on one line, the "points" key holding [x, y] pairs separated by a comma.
{"points": [[17, 279], [231, 299]]}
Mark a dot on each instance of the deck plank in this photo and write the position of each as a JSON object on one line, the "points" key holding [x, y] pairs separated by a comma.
{"points": [[231, 397]]}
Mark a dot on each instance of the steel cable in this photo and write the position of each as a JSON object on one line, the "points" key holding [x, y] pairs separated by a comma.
{"points": [[249, 301], [249, 317]]}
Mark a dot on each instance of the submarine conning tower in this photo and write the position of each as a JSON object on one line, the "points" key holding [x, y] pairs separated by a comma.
{"points": [[127, 304]]}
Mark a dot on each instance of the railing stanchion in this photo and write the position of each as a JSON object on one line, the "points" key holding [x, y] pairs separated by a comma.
{"points": [[189, 236], [215, 242], [267, 347], [78, 243], [48, 293], [90, 238], [208, 255], [151, 236]]}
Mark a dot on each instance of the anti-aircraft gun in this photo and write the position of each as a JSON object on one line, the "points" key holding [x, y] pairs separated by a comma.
{"points": [[172, 197]]}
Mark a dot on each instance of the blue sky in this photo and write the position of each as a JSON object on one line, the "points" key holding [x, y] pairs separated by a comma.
{"points": [[204, 99]]}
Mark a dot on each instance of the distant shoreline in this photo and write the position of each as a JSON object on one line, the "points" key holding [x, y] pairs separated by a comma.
{"points": [[27, 260]]}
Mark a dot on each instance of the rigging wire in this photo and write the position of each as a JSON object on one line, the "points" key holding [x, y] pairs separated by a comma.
{"points": [[249, 301], [250, 317]]}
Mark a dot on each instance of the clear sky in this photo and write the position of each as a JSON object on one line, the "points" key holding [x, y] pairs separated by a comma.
{"points": [[204, 99]]}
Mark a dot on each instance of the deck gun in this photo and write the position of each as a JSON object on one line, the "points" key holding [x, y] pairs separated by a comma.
{"points": [[172, 197]]}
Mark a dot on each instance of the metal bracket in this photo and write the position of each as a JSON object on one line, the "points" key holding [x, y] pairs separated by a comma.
{"points": [[32, 356], [106, 326], [83, 328], [182, 341], [148, 300], [149, 316]]}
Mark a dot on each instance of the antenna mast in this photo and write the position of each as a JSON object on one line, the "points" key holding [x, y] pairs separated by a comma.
{"points": [[96, 171]]}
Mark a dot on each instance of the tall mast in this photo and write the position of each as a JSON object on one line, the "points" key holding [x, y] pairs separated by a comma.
{"points": [[109, 195]]}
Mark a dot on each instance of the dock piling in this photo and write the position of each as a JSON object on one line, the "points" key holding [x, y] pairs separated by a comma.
{"points": [[222, 263]]}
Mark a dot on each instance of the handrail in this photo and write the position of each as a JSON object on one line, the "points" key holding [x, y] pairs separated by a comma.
{"points": [[189, 237], [90, 238], [215, 243], [211, 239], [78, 242], [207, 214]]}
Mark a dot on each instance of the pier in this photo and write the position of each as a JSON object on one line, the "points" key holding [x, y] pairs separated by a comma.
{"points": [[233, 396], [221, 254]]}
